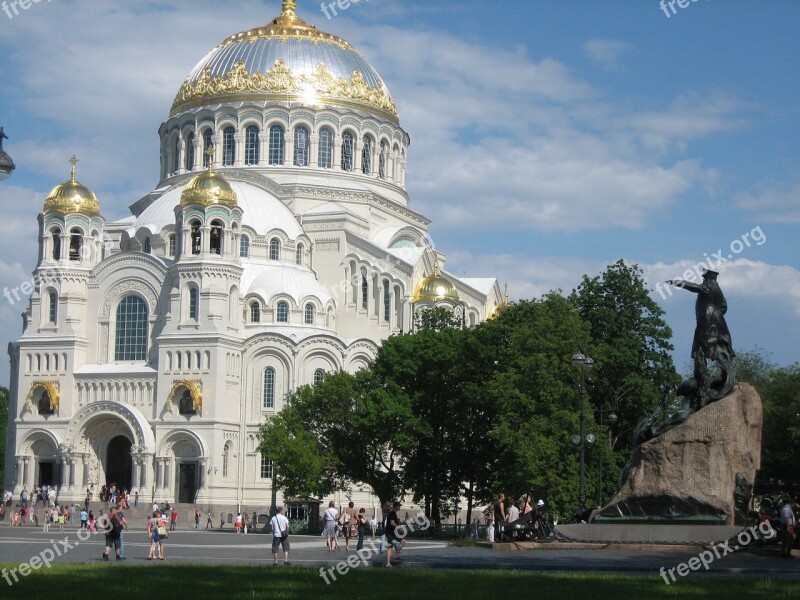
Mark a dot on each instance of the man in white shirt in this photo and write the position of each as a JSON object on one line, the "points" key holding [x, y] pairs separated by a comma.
{"points": [[788, 523], [280, 536], [513, 512]]}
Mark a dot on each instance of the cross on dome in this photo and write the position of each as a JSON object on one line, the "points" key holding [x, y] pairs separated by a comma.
{"points": [[74, 162]]}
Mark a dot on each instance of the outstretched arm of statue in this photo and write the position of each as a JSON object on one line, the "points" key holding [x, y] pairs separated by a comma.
{"points": [[692, 287]]}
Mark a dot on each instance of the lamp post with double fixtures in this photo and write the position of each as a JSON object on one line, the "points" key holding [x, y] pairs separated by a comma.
{"points": [[584, 362]]}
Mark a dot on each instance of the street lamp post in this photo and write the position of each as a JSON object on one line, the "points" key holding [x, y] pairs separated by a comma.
{"points": [[612, 418], [584, 362]]}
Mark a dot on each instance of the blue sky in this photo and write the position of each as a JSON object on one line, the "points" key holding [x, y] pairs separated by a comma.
{"points": [[550, 138]]}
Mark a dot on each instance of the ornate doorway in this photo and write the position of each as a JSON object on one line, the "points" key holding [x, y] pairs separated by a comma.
{"points": [[119, 463], [187, 483]]}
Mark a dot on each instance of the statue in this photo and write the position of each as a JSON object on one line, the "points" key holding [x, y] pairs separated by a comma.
{"points": [[712, 341]]}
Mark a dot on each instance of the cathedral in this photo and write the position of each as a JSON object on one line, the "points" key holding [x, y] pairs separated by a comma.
{"points": [[279, 245]]}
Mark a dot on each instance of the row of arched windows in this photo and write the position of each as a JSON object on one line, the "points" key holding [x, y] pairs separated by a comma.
{"points": [[282, 312], [45, 364], [276, 149], [268, 400], [186, 361]]}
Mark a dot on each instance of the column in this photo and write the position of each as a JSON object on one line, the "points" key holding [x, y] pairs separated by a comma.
{"points": [[217, 140], [205, 239], [238, 139], [288, 159], [313, 155], [136, 474], [358, 147], [263, 148], [198, 152], [337, 153], [64, 471], [160, 474], [20, 478]]}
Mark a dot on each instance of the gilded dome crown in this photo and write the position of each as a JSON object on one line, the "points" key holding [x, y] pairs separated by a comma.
{"points": [[435, 288], [286, 60], [208, 188], [72, 196]]}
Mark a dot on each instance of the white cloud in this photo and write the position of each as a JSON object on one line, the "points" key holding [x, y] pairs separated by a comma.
{"points": [[606, 52], [773, 201]]}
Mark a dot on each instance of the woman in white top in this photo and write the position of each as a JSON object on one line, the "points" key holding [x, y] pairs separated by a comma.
{"points": [[331, 523]]}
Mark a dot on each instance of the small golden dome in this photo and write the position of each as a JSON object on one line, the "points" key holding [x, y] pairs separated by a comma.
{"points": [[500, 307], [72, 197], [208, 188], [435, 288]]}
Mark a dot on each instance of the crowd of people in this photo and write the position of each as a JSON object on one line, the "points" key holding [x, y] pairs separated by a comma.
{"points": [[504, 511]]}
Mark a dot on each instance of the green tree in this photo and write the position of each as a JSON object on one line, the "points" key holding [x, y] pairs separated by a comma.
{"points": [[630, 342]]}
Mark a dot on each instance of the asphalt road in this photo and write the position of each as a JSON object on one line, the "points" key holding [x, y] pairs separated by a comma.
{"points": [[19, 544]]}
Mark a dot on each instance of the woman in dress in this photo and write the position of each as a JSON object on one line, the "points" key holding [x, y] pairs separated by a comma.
{"points": [[331, 521], [153, 523]]}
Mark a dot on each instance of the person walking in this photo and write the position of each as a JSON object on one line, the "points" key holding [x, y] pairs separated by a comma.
{"points": [[84, 518], [280, 536], [221, 520], [361, 524], [153, 525], [209, 522], [392, 523], [499, 509], [173, 519], [331, 523], [788, 526], [121, 519], [113, 527], [350, 524]]}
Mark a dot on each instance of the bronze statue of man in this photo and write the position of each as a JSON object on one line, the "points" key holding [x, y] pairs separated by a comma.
{"points": [[712, 340]]}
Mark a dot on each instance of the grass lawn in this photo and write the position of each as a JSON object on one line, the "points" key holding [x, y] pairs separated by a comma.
{"points": [[85, 582]]}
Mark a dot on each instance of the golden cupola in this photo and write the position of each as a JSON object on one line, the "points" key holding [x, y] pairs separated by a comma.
{"points": [[209, 188], [72, 196], [435, 288]]}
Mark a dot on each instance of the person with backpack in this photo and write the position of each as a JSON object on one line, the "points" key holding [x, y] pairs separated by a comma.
{"points": [[113, 527]]}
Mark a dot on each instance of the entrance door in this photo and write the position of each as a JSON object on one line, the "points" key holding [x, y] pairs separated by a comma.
{"points": [[46, 473], [187, 483], [119, 463]]}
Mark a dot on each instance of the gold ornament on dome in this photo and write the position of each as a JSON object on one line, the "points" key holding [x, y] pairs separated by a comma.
{"points": [[321, 87], [195, 387], [72, 196]]}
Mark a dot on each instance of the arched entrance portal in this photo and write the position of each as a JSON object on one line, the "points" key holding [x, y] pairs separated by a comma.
{"points": [[119, 463]]}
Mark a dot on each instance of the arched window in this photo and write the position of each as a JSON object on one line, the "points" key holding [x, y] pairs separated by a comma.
{"points": [[228, 146], [366, 156], [195, 233], [387, 302], [276, 143], [382, 160], [56, 233], [147, 247], [255, 312], [208, 141], [364, 290], [193, 303], [301, 146], [298, 254], [319, 375], [274, 249], [186, 404], [176, 158], [269, 387], [325, 158], [190, 152], [75, 244], [347, 151], [216, 237], [131, 337], [53, 308], [172, 245], [244, 246], [226, 456], [45, 406], [251, 153], [309, 314], [283, 312]]}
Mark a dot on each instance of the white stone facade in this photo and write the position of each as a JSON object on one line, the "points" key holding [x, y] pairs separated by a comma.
{"points": [[329, 268]]}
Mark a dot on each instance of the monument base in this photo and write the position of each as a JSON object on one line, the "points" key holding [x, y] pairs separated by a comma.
{"points": [[682, 534]]}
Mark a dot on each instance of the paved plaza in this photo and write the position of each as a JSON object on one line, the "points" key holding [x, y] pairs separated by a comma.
{"points": [[19, 544]]}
